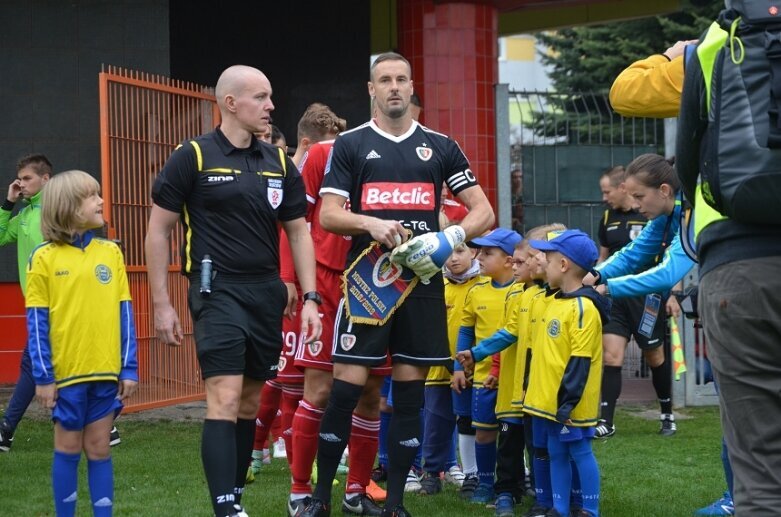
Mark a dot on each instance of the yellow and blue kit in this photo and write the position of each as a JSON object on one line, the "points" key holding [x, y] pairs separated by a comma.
{"points": [[455, 297], [483, 315], [566, 366], [502, 342], [531, 315], [79, 314]]}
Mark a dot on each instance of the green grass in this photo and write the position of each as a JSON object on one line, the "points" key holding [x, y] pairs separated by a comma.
{"points": [[158, 472]]}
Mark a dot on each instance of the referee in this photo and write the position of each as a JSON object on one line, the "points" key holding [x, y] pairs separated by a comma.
{"points": [[230, 190]]}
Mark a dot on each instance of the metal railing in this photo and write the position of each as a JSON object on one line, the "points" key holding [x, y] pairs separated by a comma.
{"points": [[143, 118]]}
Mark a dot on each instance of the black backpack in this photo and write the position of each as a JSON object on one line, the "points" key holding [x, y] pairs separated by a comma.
{"points": [[741, 165]]}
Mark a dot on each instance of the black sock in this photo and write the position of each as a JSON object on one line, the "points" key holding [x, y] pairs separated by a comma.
{"points": [[218, 453], [611, 390], [662, 379], [245, 439], [404, 436], [510, 475], [334, 434]]}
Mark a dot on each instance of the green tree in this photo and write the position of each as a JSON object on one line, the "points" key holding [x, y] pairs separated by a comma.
{"points": [[584, 61]]}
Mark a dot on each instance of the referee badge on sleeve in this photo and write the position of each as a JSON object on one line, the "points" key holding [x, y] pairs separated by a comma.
{"points": [[275, 192]]}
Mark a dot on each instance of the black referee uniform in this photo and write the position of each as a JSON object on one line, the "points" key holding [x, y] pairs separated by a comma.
{"points": [[230, 201]]}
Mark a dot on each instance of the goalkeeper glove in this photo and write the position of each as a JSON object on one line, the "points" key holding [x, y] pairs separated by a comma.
{"points": [[427, 253]]}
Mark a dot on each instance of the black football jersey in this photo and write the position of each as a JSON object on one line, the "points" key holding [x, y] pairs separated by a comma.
{"points": [[617, 228], [396, 177]]}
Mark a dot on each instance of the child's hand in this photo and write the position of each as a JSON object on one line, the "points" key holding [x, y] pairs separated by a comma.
{"points": [[466, 359], [459, 382], [126, 388], [46, 395], [490, 382]]}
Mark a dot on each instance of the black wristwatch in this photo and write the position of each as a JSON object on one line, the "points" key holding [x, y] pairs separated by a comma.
{"points": [[314, 296]]}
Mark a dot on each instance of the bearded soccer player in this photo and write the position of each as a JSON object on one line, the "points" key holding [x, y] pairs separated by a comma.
{"points": [[391, 171]]}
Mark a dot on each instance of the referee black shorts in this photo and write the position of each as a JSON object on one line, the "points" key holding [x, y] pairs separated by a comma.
{"points": [[416, 334], [625, 316], [238, 327]]}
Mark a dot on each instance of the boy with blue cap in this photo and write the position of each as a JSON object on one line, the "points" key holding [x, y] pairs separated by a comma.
{"points": [[566, 369], [483, 315]]}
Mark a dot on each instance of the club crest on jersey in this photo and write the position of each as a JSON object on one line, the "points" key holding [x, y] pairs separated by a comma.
{"points": [[385, 272], [315, 348], [347, 341], [103, 273], [282, 363], [275, 192], [554, 328], [424, 153]]}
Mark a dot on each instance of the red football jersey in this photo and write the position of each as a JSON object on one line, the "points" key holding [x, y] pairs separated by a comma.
{"points": [[330, 249]]}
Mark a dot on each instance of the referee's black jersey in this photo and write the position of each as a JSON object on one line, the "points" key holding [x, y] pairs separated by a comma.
{"points": [[396, 178], [230, 200], [617, 228]]}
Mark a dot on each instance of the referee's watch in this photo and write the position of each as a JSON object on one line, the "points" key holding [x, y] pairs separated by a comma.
{"points": [[314, 296]]}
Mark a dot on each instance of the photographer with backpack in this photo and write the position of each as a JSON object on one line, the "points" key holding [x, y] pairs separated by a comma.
{"points": [[729, 162]]}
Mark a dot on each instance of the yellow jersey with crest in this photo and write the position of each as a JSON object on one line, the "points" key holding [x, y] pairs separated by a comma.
{"points": [[573, 328], [484, 311], [82, 289], [455, 296]]}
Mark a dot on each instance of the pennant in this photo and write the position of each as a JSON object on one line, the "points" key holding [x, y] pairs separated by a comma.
{"points": [[374, 287], [679, 362]]}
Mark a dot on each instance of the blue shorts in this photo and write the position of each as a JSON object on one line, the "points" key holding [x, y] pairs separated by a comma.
{"points": [[545, 430], [78, 405], [462, 402], [484, 409]]}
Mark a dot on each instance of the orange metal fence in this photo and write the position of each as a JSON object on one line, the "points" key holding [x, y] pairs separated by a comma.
{"points": [[143, 118]]}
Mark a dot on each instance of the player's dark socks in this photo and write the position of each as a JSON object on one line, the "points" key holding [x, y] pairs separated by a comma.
{"points": [[334, 434], [218, 453], [404, 436], [661, 376], [245, 439], [611, 390]]}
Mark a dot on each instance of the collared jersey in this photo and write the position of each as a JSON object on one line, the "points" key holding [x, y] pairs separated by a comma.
{"points": [[230, 200], [527, 326], [617, 228], [397, 178], [508, 357], [455, 297], [484, 311], [573, 328], [82, 289]]}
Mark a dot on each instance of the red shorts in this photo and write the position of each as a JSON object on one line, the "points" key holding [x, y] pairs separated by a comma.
{"points": [[289, 373], [318, 354]]}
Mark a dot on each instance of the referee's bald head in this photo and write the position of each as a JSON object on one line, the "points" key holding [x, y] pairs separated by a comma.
{"points": [[233, 80]]}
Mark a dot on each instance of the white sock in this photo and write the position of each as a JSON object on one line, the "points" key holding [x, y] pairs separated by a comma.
{"points": [[466, 448]]}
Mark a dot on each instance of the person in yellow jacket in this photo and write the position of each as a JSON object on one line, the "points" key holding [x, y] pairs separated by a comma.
{"points": [[651, 87]]}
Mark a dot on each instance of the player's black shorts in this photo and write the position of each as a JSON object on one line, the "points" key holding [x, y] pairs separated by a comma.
{"points": [[415, 334], [238, 327], [625, 315]]}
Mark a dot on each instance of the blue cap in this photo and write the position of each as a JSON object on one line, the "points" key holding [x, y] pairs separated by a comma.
{"points": [[501, 238], [573, 244]]}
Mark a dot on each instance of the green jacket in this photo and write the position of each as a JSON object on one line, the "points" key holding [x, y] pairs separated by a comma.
{"points": [[25, 230]]}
